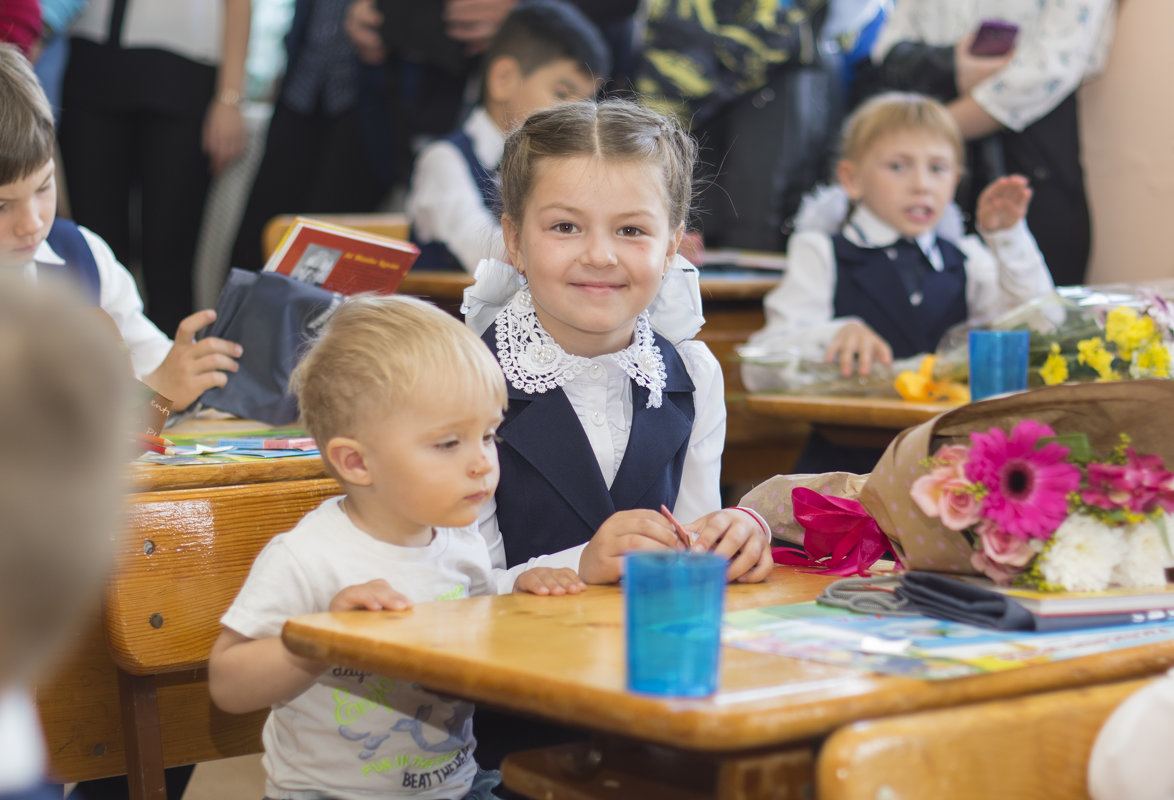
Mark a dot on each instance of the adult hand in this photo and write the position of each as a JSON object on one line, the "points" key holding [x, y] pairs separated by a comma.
{"points": [[362, 24], [224, 135], [971, 70], [475, 22]]}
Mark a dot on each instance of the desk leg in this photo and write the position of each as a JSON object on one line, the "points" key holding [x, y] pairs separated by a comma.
{"points": [[619, 769], [144, 744]]}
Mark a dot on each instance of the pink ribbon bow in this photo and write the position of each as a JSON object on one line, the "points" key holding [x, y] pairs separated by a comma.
{"points": [[841, 538]]}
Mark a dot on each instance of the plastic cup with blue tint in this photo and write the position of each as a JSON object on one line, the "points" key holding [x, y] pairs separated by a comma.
{"points": [[673, 615], [998, 362]]}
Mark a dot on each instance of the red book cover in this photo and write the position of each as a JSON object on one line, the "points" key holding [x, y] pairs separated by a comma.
{"points": [[342, 260]]}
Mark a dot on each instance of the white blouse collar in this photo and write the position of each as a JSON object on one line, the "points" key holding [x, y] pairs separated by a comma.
{"points": [[866, 229], [534, 363]]}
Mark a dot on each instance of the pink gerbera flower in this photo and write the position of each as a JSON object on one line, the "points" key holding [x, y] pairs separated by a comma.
{"points": [[1027, 488]]}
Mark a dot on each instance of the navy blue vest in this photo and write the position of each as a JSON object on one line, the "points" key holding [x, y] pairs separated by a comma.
{"points": [[434, 255], [552, 494], [80, 267], [874, 283]]}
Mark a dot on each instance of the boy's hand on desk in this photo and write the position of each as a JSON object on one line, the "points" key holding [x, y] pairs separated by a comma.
{"points": [[376, 595], [1003, 203], [856, 343], [623, 532], [547, 580], [737, 537], [192, 367]]}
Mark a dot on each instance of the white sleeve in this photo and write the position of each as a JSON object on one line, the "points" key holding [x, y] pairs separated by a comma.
{"points": [[800, 311], [1051, 58], [444, 205], [1004, 269], [505, 578], [276, 589], [119, 297], [700, 490]]}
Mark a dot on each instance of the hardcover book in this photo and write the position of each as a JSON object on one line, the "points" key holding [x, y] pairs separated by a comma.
{"points": [[342, 260]]}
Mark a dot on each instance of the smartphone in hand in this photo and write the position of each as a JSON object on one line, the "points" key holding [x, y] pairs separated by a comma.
{"points": [[995, 37]]}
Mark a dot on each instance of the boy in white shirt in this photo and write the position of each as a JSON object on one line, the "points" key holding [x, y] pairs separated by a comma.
{"points": [[405, 403], [32, 239], [546, 52]]}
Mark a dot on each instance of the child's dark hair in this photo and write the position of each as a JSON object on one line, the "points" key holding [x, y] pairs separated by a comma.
{"points": [[613, 130], [539, 32], [27, 135]]}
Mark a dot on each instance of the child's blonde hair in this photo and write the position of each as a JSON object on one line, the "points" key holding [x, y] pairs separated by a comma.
{"points": [[893, 112], [64, 404], [378, 353], [613, 130], [27, 135]]}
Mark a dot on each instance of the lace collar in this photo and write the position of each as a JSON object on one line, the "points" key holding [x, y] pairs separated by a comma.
{"points": [[534, 363]]}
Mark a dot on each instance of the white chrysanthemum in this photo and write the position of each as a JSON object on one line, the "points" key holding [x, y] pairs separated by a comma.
{"points": [[1143, 557], [1082, 555]]}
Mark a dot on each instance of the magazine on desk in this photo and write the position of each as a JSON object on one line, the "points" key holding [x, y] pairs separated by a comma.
{"points": [[342, 260]]}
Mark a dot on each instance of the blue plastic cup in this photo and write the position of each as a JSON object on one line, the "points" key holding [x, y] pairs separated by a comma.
{"points": [[998, 362], [673, 615]]}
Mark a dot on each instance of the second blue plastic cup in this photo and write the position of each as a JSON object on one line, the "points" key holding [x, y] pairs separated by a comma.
{"points": [[673, 613], [998, 362]]}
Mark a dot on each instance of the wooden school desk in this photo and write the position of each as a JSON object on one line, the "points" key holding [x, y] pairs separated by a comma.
{"points": [[218, 507], [868, 421], [562, 659]]}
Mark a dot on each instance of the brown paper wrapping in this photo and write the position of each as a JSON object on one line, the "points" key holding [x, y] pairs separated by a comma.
{"points": [[1143, 409]]}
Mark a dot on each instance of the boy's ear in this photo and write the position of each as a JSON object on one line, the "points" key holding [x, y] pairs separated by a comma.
{"points": [[345, 455], [502, 79], [512, 236], [848, 176]]}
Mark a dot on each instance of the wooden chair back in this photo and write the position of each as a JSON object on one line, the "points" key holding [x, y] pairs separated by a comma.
{"points": [[180, 564], [391, 224], [1027, 747]]}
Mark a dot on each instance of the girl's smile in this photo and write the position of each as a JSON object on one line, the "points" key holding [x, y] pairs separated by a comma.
{"points": [[593, 264]]}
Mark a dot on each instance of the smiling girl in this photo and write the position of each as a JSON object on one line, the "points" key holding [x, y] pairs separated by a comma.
{"points": [[613, 409]]}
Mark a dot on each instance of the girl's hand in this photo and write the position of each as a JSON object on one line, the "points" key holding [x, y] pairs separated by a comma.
{"points": [[971, 70], [192, 367], [376, 595], [737, 537], [1003, 203], [856, 343], [548, 581], [623, 532]]}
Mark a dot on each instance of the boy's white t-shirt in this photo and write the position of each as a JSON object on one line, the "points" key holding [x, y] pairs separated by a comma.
{"points": [[354, 735]]}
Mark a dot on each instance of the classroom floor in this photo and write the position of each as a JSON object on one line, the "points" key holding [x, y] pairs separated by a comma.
{"points": [[240, 777]]}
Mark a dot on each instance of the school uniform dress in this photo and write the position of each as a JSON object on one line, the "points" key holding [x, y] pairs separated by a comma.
{"points": [[140, 79], [584, 438], [909, 291], [1061, 43], [452, 198], [80, 256]]}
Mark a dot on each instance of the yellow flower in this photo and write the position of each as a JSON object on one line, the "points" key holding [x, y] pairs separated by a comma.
{"points": [[1154, 360], [1127, 330], [1055, 368], [1093, 353]]}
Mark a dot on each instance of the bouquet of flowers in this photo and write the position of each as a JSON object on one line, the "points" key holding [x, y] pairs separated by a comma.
{"points": [[1039, 511], [1045, 487]]}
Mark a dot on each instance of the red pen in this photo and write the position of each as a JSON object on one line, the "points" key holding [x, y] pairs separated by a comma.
{"points": [[683, 534]]}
